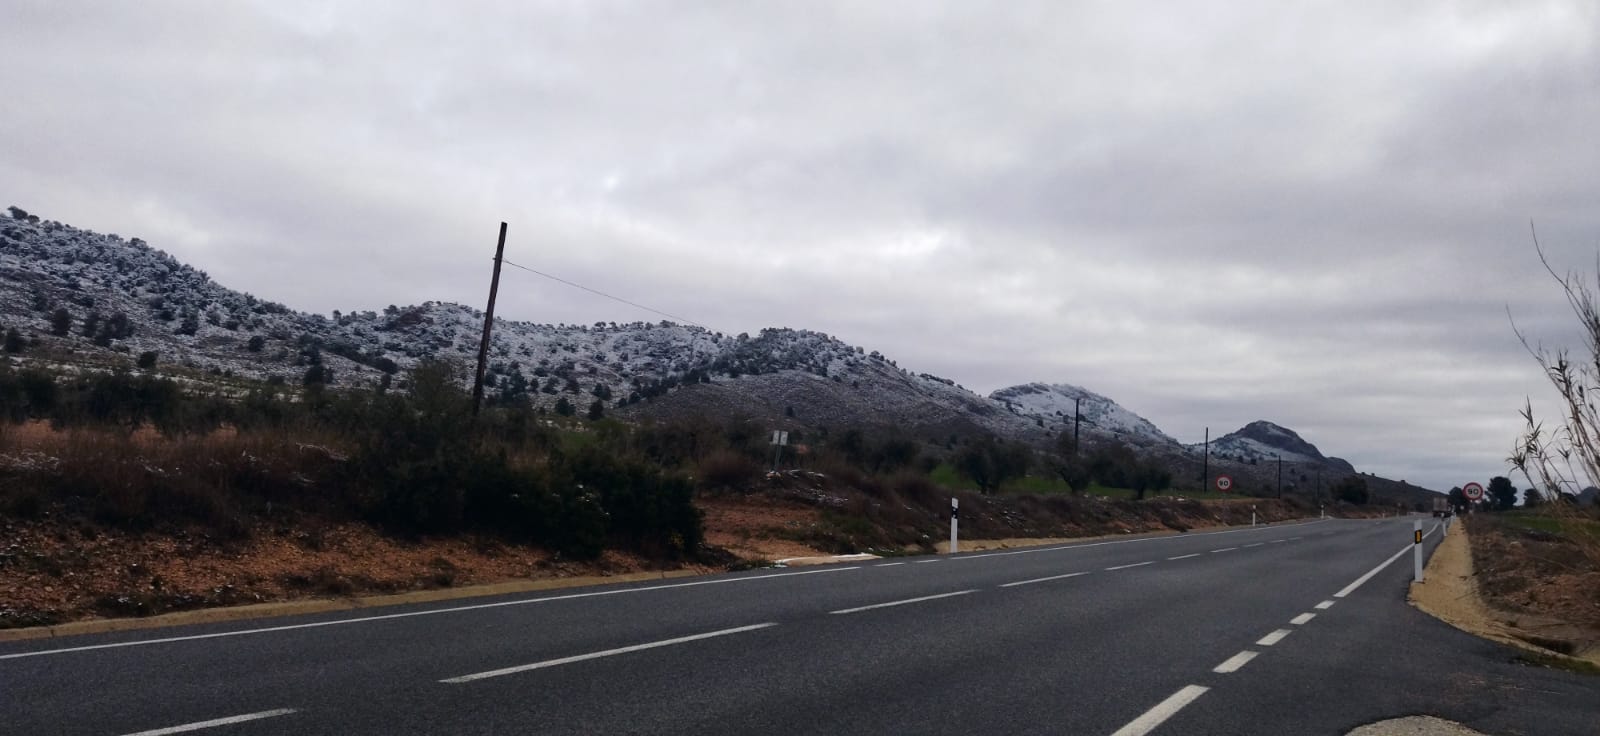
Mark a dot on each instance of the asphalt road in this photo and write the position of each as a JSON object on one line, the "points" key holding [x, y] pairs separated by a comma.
{"points": [[1290, 629]]}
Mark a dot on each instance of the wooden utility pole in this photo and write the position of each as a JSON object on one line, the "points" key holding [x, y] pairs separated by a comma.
{"points": [[1205, 468], [1077, 418], [488, 324]]}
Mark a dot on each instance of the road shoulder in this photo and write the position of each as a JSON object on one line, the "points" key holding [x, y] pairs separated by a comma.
{"points": [[1449, 592]]}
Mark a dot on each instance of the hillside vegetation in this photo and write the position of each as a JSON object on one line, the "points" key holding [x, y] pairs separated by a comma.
{"points": [[76, 300]]}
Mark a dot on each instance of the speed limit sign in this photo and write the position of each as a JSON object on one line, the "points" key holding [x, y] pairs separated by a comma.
{"points": [[1224, 483], [1472, 491]]}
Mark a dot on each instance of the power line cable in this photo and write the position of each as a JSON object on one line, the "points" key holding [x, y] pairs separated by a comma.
{"points": [[597, 292]]}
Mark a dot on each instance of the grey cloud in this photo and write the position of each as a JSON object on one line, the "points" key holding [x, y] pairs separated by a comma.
{"points": [[1315, 214]]}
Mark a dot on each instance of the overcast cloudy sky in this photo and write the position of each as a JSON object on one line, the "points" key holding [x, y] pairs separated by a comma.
{"points": [[1313, 213]]}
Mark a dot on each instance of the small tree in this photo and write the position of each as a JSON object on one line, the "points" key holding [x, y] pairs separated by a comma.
{"points": [[14, 341], [316, 375], [1502, 493], [1532, 498], [60, 322], [990, 463], [91, 324], [256, 343], [597, 410], [1352, 490], [564, 407], [147, 360]]}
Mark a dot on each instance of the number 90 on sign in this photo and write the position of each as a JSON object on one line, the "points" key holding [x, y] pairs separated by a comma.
{"points": [[1224, 483]]}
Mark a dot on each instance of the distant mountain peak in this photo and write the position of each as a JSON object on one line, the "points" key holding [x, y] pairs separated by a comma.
{"points": [[1262, 440]]}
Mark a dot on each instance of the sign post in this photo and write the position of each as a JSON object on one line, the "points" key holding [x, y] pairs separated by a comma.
{"points": [[779, 439], [955, 507], [1416, 546]]}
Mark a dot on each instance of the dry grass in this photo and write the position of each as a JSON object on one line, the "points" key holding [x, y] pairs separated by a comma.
{"points": [[143, 477]]}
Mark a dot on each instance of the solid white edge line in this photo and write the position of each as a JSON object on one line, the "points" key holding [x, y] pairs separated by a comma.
{"points": [[1162, 711], [598, 655], [1351, 588], [889, 564], [1036, 550], [410, 614], [902, 603], [924, 562], [521, 602], [1184, 557], [213, 723], [1136, 564], [1257, 544], [1043, 580], [1274, 637], [1302, 619], [1325, 605], [1224, 549], [1235, 662]]}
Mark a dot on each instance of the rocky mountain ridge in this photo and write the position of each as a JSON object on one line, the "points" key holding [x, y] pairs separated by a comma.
{"points": [[86, 294], [1262, 441]]}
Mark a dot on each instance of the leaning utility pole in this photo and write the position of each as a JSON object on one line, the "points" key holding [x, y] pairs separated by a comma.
{"points": [[1077, 418], [1280, 476], [488, 324]]}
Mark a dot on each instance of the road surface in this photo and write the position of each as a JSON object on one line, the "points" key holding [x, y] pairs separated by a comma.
{"points": [[1289, 629]]}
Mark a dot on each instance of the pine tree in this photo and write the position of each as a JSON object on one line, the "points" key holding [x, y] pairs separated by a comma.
{"points": [[60, 322]]}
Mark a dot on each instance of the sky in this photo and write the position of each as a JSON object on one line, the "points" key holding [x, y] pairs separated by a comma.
{"points": [[1313, 213]]}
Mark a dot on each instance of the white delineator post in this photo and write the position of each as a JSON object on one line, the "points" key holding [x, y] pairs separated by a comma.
{"points": [[955, 506], [1416, 546], [1252, 516]]}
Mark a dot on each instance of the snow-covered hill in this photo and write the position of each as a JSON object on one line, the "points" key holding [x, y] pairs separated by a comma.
{"points": [[86, 297], [1261, 441], [53, 274], [1055, 405]]}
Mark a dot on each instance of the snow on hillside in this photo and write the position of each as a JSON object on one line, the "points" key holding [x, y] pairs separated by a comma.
{"points": [[1055, 404], [1262, 441], [121, 296], [159, 305]]}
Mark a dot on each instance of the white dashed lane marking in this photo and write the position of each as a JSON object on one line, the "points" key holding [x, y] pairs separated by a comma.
{"points": [[1235, 662], [1274, 637], [1043, 580]]}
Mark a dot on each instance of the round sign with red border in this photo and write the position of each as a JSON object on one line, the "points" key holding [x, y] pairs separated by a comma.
{"points": [[1224, 483], [1472, 491]]}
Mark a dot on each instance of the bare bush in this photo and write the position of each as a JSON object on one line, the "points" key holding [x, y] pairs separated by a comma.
{"points": [[728, 469], [1565, 458]]}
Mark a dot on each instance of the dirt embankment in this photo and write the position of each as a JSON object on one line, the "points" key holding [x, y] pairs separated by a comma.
{"points": [[1484, 580], [798, 514], [59, 567], [53, 572]]}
